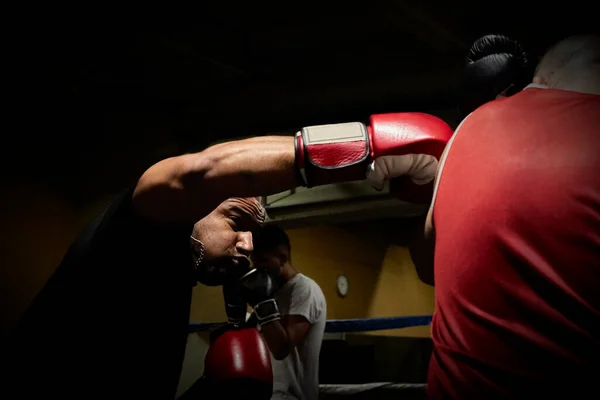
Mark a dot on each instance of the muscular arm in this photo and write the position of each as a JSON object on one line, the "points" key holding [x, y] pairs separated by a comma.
{"points": [[188, 187], [282, 336]]}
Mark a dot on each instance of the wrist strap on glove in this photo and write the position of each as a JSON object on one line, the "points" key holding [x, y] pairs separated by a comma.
{"points": [[267, 311], [332, 153]]}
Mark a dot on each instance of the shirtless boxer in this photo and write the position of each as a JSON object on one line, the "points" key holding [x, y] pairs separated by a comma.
{"points": [[112, 321], [514, 235]]}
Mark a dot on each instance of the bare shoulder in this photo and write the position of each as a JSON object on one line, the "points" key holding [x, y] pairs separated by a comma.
{"points": [[164, 193]]}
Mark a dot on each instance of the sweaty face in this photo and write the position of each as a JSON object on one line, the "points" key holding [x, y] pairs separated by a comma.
{"points": [[224, 238]]}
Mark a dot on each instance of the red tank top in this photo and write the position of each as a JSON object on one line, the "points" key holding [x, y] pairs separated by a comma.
{"points": [[517, 257]]}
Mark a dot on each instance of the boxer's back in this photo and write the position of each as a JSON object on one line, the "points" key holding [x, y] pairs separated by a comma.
{"points": [[517, 258]]}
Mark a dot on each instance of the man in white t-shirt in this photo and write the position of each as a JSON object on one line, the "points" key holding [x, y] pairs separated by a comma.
{"points": [[294, 340]]}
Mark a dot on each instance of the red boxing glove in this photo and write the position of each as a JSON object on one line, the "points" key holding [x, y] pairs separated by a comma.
{"points": [[238, 365], [406, 145]]}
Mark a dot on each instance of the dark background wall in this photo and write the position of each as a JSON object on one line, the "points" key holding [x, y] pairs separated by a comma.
{"points": [[95, 93], [101, 92]]}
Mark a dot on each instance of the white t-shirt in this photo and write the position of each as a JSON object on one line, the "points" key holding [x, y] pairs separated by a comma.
{"points": [[297, 375]]}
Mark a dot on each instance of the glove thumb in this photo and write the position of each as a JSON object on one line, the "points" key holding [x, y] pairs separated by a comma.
{"points": [[420, 167], [258, 285]]}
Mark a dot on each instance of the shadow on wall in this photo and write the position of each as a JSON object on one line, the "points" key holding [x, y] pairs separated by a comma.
{"points": [[369, 358], [38, 226], [193, 363], [62, 185]]}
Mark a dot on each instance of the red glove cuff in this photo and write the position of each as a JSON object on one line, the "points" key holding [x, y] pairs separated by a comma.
{"points": [[332, 153]]}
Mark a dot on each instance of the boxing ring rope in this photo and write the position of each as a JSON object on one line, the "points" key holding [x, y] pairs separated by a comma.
{"points": [[376, 389], [346, 325]]}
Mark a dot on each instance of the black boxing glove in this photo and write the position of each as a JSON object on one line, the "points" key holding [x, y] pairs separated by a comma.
{"points": [[258, 288], [495, 65], [235, 304], [235, 309]]}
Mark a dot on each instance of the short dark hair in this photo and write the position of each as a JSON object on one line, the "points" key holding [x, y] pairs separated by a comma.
{"points": [[270, 237]]}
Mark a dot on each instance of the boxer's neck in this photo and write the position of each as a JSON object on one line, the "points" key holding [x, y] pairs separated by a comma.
{"points": [[288, 271]]}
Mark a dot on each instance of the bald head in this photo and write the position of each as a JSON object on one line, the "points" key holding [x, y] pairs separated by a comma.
{"points": [[572, 64]]}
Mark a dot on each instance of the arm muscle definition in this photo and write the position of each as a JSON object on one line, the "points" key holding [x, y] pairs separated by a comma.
{"points": [[188, 187]]}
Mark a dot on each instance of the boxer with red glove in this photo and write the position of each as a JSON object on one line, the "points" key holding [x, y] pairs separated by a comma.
{"points": [[144, 235], [238, 363], [406, 145]]}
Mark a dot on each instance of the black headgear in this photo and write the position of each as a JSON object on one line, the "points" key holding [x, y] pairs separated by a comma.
{"points": [[495, 64]]}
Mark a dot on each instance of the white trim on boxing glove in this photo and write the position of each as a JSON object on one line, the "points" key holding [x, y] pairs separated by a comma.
{"points": [[421, 168], [346, 155], [267, 311]]}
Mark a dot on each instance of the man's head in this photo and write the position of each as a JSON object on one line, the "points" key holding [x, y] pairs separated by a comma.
{"points": [[222, 242], [572, 64], [273, 252], [496, 66]]}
